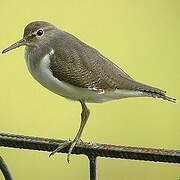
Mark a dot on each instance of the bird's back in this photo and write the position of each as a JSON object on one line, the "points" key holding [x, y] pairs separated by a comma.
{"points": [[83, 66]]}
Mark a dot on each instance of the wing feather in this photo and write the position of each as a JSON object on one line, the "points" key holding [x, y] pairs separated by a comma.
{"points": [[79, 64]]}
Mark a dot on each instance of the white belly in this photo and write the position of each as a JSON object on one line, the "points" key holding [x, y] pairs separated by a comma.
{"points": [[44, 76]]}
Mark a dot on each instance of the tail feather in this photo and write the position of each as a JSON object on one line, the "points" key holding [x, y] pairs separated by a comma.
{"points": [[159, 94], [150, 91], [153, 92]]}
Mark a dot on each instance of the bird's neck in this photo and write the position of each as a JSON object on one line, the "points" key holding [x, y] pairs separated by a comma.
{"points": [[34, 56], [36, 52]]}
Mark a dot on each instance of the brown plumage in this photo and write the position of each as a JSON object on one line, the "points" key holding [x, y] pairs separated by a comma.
{"points": [[78, 64]]}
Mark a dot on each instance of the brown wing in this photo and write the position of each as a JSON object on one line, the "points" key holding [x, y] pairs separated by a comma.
{"points": [[83, 66]]}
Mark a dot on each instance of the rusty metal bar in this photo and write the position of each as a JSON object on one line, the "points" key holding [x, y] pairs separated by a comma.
{"points": [[92, 166], [89, 149], [5, 170]]}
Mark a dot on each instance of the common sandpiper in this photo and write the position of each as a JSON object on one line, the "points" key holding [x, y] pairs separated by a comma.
{"points": [[70, 68]]}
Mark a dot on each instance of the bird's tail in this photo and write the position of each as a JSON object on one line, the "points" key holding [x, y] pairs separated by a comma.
{"points": [[158, 94], [153, 92]]}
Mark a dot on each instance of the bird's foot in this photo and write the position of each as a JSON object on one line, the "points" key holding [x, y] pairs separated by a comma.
{"points": [[60, 147], [71, 145]]}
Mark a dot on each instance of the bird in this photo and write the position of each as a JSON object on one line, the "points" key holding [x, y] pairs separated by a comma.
{"points": [[65, 65]]}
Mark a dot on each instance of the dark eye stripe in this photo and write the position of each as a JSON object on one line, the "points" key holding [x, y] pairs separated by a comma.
{"points": [[30, 37]]}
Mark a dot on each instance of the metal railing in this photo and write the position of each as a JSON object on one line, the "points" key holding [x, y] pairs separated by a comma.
{"points": [[91, 150]]}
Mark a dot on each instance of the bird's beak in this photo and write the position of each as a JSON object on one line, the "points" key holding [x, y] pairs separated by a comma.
{"points": [[19, 43]]}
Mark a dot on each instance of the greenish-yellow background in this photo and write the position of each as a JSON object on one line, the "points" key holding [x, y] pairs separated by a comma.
{"points": [[142, 37]]}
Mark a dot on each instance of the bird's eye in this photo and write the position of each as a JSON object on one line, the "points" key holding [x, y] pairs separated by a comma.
{"points": [[40, 32]]}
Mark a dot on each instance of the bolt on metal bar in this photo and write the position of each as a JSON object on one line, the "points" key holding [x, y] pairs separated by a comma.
{"points": [[5, 170], [91, 149]]}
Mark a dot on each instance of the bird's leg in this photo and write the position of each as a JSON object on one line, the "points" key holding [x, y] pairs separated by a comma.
{"points": [[84, 117]]}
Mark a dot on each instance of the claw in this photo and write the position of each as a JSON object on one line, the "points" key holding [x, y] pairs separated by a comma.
{"points": [[63, 145], [59, 148], [73, 143]]}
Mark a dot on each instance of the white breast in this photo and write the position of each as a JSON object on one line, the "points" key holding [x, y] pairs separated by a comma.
{"points": [[42, 73]]}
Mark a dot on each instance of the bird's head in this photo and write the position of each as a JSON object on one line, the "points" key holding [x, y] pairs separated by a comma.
{"points": [[36, 34]]}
